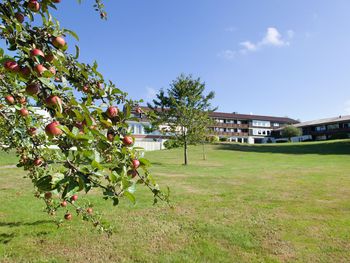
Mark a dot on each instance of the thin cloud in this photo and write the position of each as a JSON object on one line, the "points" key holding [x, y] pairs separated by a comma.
{"points": [[272, 38]]}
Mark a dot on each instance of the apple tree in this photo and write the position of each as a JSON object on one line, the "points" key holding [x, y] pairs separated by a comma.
{"points": [[67, 124]]}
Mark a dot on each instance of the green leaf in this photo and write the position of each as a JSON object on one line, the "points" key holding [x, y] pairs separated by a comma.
{"points": [[130, 196]]}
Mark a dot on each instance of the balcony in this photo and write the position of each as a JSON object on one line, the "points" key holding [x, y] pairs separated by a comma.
{"points": [[229, 125], [231, 133]]}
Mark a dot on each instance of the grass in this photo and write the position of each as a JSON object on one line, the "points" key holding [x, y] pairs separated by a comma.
{"points": [[259, 203]]}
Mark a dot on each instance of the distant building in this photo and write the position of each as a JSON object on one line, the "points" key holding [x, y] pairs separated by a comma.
{"points": [[325, 129], [244, 128], [247, 128]]}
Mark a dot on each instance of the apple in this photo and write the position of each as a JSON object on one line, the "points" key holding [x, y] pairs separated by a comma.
{"points": [[40, 69], [53, 70], [53, 101], [38, 161], [132, 173], [19, 17], [36, 52], [64, 203], [74, 198], [89, 210], [85, 88], [135, 163], [33, 88], [112, 112], [25, 71], [58, 42], [110, 137], [52, 129], [50, 58], [24, 112], [48, 195], [138, 110], [31, 131], [68, 216], [22, 100], [33, 5], [10, 99], [11, 65], [128, 140]]}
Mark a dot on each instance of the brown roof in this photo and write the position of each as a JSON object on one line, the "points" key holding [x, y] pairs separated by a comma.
{"points": [[252, 117], [246, 117]]}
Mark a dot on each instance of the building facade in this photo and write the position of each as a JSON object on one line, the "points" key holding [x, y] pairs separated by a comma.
{"points": [[243, 128], [326, 129], [246, 128]]}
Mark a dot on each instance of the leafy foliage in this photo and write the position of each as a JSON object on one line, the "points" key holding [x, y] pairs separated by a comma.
{"points": [[84, 142], [290, 131], [182, 111]]}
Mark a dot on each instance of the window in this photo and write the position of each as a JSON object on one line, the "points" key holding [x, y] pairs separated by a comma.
{"points": [[276, 124], [320, 128], [261, 123], [333, 126]]}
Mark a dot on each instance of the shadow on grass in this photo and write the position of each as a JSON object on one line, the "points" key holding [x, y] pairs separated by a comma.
{"points": [[337, 147], [6, 238], [17, 224]]}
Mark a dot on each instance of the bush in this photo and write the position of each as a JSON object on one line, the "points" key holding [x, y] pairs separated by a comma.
{"points": [[223, 139], [337, 136], [212, 139], [171, 143]]}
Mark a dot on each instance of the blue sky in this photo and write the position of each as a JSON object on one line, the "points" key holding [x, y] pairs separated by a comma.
{"points": [[272, 57]]}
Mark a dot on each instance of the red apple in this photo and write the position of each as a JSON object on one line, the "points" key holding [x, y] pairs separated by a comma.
{"points": [[31, 131], [74, 198], [89, 210], [110, 137], [50, 57], [11, 65], [135, 163], [132, 173], [52, 129], [33, 5], [36, 52], [24, 112], [112, 112], [10, 99], [58, 42], [53, 101], [64, 203], [33, 88], [128, 140], [40, 69], [25, 71], [38, 161], [48, 195], [85, 88], [19, 17], [68, 216], [22, 100], [138, 110]]}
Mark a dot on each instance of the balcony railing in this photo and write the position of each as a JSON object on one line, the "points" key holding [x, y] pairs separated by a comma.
{"points": [[229, 125], [231, 133]]}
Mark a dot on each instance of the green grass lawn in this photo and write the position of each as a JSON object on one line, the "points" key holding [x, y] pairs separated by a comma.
{"points": [[259, 203]]}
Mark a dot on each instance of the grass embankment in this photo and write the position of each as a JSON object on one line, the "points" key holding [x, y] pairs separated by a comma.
{"points": [[272, 203]]}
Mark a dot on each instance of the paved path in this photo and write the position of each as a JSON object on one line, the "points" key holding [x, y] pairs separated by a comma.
{"points": [[8, 166]]}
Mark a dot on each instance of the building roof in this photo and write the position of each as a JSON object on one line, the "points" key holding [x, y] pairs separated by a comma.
{"points": [[323, 121], [237, 116], [252, 117]]}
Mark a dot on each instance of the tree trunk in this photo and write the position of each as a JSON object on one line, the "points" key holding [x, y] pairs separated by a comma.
{"points": [[185, 152], [204, 156]]}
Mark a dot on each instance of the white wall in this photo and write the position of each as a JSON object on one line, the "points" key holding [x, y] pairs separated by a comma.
{"points": [[150, 145]]}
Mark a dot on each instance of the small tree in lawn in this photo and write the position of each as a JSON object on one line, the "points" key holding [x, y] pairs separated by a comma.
{"points": [[290, 131], [88, 116], [182, 111]]}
